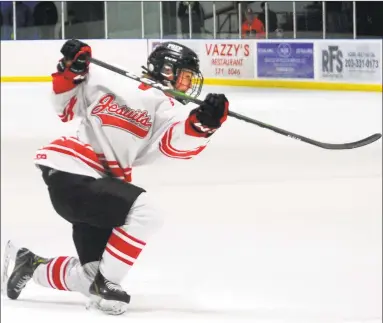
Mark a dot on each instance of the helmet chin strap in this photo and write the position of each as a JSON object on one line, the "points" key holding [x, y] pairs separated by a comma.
{"points": [[168, 83]]}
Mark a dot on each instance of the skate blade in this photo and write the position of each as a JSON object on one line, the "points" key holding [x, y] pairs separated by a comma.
{"points": [[9, 255], [107, 306]]}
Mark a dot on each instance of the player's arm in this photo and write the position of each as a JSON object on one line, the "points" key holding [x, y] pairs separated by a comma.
{"points": [[187, 138], [72, 70]]}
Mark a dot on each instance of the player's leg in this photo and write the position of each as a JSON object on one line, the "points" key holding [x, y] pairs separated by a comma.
{"points": [[63, 273], [134, 217], [106, 203], [72, 274], [26, 263]]}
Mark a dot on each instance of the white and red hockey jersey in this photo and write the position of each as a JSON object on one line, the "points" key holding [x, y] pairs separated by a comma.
{"points": [[123, 125]]}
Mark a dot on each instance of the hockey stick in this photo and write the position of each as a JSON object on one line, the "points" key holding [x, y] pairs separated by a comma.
{"points": [[181, 95]]}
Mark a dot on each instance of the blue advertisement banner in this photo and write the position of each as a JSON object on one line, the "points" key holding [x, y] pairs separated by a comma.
{"points": [[285, 60]]}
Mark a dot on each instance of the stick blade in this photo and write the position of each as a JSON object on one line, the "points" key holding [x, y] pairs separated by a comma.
{"points": [[352, 145]]}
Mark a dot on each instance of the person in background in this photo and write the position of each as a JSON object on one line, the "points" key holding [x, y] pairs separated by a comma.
{"points": [[252, 27], [272, 20], [45, 17], [74, 27], [196, 17], [24, 21]]}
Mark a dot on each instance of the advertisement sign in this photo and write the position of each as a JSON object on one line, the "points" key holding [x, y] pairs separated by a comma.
{"points": [[350, 61], [285, 60], [221, 59], [227, 59]]}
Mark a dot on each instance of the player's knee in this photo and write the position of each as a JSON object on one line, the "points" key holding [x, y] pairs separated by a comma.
{"points": [[145, 216], [151, 213]]}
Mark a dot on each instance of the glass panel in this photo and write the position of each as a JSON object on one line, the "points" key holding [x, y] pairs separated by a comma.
{"points": [[84, 20], [206, 29], [199, 11], [6, 20], [339, 19], [124, 19], [309, 19], [169, 20], [37, 19], [252, 26], [152, 19], [227, 19], [369, 19], [280, 19]]}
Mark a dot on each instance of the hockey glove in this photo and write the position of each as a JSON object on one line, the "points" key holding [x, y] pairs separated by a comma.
{"points": [[208, 117], [74, 65]]}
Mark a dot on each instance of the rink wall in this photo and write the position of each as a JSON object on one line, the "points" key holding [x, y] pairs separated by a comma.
{"points": [[352, 65]]}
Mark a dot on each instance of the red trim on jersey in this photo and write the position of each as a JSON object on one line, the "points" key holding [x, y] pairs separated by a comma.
{"points": [[68, 113], [167, 149], [71, 146], [144, 87], [75, 148], [113, 254]]}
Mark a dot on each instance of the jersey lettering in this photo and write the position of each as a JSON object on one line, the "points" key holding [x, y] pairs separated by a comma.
{"points": [[111, 114]]}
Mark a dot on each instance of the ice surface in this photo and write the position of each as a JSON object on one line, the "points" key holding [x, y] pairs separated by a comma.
{"points": [[259, 228]]}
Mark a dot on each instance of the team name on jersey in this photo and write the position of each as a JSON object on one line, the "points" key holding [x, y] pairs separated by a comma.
{"points": [[110, 113]]}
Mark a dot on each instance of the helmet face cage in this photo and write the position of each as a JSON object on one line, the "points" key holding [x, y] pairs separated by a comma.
{"points": [[196, 81], [167, 62]]}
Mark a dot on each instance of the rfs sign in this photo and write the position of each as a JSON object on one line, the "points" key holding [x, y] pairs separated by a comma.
{"points": [[332, 60]]}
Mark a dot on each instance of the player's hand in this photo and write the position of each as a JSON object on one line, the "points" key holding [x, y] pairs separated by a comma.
{"points": [[210, 115], [75, 64]]}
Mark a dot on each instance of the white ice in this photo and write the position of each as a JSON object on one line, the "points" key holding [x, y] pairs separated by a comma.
{"points": [[259, 228]]}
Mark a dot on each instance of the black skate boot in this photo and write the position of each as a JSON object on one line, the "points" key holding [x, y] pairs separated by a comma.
{"points": [[26, 263], [107, 296]]}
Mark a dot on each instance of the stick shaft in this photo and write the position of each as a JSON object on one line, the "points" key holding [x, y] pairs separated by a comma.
{"points": [[236, 115]]}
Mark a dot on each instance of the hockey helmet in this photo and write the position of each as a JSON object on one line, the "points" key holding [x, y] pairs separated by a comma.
{"points": [[168, 63]]}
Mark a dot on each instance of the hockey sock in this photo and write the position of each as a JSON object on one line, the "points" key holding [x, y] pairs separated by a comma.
{"points": [[126, 242], [67, 274]]}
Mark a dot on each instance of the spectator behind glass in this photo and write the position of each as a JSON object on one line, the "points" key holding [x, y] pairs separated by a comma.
{"points": [[72, 19], [45, 17], [23, 21], [272, 21], [196, 17], [74, 27], [23, 15], [252, 27]]}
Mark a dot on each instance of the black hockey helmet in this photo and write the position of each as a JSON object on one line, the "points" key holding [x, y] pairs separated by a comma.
{"points": [[167, 62]]}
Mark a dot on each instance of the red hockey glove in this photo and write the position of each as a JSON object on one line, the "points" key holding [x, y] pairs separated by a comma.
{"points": [[208, 117], [73, 67]]}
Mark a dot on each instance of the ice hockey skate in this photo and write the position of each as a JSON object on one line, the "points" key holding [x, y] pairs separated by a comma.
{"points": [[107, 296], [26, 263]]}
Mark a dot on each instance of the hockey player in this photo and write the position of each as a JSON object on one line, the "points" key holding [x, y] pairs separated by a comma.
{"points": [[123, 125]]}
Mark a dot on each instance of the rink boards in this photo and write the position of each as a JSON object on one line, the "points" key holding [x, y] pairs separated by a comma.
{"points": [[353, 65]]}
